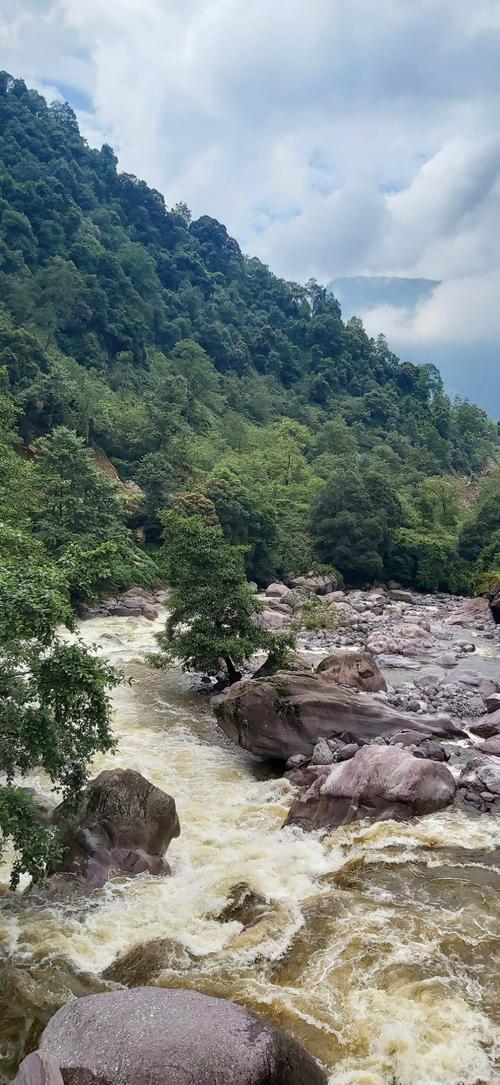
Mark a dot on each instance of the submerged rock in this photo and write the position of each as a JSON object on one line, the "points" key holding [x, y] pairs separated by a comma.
{"points": [[379, 782], [284, 715], [155, 1036], [123, 825], [358, 670], [144, 963]]}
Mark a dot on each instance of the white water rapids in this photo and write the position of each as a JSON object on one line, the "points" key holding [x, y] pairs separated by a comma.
{"points": [[378, 948]]}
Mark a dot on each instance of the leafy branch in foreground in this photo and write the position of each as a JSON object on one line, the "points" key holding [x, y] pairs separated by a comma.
{"points": [[54, 708]]}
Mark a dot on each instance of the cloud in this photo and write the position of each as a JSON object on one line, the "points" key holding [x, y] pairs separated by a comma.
{"points": [[333, 137]]}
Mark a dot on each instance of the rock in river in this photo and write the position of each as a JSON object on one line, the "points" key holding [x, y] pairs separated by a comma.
{"points": [[123, 825], [358, 670], [155, 1036], [379, 782], [284, 715]]}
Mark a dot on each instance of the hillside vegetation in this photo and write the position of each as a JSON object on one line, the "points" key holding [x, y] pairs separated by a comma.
{"points": [[128, 330]]}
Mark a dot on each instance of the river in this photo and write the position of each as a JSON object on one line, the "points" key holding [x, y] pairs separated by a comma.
{"points": [[378, 947]]}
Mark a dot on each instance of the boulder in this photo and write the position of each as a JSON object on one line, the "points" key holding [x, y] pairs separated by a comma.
{"points": [[143, 964], [150, 612], [319, 584], [322, 754], [492, 702], [138, 593], [276, 590], [479, 783], [488, 726], [122, 825], [38, 1068], [490, 746], [398, 595], [272, 620], [156, 1036], [470, 610], [286, 714], [379, 782], [358, 670]]}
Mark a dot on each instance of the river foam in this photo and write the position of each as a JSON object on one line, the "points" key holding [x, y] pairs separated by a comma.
{"points": [[376, 948]]}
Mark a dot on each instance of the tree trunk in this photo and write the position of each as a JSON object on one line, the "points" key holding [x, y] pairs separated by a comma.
{"points": [[233, 674]]}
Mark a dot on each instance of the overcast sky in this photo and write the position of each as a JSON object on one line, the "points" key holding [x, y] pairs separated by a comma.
{"points": [[333, 137]]}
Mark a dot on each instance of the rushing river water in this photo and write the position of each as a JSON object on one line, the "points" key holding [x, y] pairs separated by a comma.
{"points": [[377, 947]]}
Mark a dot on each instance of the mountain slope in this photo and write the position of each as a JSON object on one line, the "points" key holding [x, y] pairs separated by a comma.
{"points": [[191, 366]]}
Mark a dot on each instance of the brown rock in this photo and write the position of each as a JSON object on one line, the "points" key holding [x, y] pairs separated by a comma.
{"points": [[379, 782], [357, 670], [123, 824], [490, 746], [276, 590], [487, 726], [286, 714], [145, 962]]}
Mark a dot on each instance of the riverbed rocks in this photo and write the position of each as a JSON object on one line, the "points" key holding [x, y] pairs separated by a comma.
{"points": [[156, 1036], [134, 603], [287, 714], [356, 670], [317, 583], [378, 782], [122, 825], [487, 726], [479, 782]]}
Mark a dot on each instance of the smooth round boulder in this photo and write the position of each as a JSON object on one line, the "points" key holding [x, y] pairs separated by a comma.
{"points": [[155, 1036]]}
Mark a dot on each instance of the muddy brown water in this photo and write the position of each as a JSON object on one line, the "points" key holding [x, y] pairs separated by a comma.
{"points": [[377, 947]]}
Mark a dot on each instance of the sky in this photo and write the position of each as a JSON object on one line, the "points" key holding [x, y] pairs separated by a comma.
{"points": [[333, 137]]}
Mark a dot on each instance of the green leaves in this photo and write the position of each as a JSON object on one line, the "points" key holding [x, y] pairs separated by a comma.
{"points": [[212, 612]]}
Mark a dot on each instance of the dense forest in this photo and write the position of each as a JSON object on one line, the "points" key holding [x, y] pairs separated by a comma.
{"points": [[170, 410], [136, 344]]}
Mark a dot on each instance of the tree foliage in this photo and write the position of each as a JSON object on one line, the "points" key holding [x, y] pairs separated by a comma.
{"points": [[212, 611]]}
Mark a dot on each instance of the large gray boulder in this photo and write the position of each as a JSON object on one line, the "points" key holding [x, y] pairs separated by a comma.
{"points": [[379, 782], [286, 714], [155, 1036], [122, 825], [357, 670]]}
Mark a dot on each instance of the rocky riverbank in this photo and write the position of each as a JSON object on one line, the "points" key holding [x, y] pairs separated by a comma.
{"points": [[399, 673], [371, 942]]}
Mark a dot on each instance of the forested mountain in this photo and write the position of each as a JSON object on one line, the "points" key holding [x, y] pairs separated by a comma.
{"points": [[130, 331]]}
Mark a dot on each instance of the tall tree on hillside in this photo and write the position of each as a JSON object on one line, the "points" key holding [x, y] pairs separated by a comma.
{"points": [[213, 615]]}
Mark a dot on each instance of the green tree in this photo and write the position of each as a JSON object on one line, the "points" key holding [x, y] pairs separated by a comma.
{"points": [[352, 524], [75, 498], [213, 615], [54, 706]]}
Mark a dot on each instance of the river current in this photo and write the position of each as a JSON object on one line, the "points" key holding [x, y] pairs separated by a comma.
{"points": [[377, 948]]}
